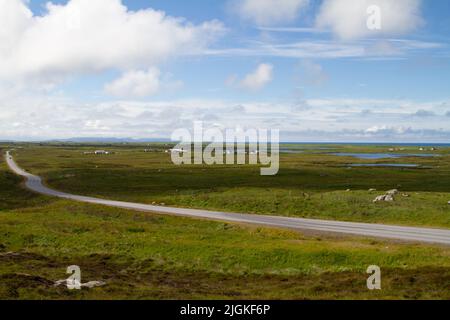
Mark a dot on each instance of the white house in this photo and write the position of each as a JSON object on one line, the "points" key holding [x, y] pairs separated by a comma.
{"points": [[98, 152], [175, 151]]}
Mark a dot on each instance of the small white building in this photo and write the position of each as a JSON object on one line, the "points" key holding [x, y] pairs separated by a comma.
{"points": [[175, 151], [100, 152]]}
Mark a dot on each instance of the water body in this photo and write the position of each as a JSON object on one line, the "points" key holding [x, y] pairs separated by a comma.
{"points": [[302, 150], [290, 151], [377, 156], [387, 144], [396, 165]]}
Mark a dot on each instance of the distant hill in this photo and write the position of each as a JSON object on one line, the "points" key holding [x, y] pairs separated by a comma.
{"points": [[110, 140]]}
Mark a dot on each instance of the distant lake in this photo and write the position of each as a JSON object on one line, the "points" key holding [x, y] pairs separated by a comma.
{"points": [[290, 151], [397, 165], [302, 150], [376, 156]]}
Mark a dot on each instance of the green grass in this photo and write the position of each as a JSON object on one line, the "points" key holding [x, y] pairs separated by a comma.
{"points": [[150, 256], [312, 184]]}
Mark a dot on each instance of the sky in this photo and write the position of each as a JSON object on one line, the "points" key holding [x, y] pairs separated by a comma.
{"points": [[143, 68]]}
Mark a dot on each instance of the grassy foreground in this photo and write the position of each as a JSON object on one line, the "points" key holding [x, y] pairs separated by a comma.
{"points": [[150, 256]]}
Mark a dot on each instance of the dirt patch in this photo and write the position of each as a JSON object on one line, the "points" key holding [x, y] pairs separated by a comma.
{"points": [[20, 280], [128, 279], [20, 257]]}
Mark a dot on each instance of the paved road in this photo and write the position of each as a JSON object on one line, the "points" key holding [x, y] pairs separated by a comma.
{"points": [[438, 236]]}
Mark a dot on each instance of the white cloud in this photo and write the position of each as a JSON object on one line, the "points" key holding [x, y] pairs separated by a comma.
{"points": [[386, 130], [135, 84], [259, 78], [312, 73], [85, 36], [325, 119], [324, 49], [269, 12], [383, 48], [348, 18]]}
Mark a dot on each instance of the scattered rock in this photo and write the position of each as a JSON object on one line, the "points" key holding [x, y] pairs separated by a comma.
{"points": [[372, 190], [90, 284], [348, 190], [60, 282], [405, 195], [392, 192], [93, 284], [388, 197]]}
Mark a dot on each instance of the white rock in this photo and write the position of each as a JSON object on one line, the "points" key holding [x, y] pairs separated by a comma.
{"points": [[386, 197], [93, 284], [379, 198], [392, 192], [90, 284], [60, 282]]}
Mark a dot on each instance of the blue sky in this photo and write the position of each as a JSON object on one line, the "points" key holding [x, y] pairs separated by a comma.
{"points": [[313, 69]]}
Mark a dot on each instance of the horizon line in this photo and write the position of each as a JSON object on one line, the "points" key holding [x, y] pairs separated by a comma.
{"points": [[165, 140]]}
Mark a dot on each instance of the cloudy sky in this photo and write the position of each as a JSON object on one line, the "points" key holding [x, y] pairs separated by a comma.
{"points": [[143, 68]]}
